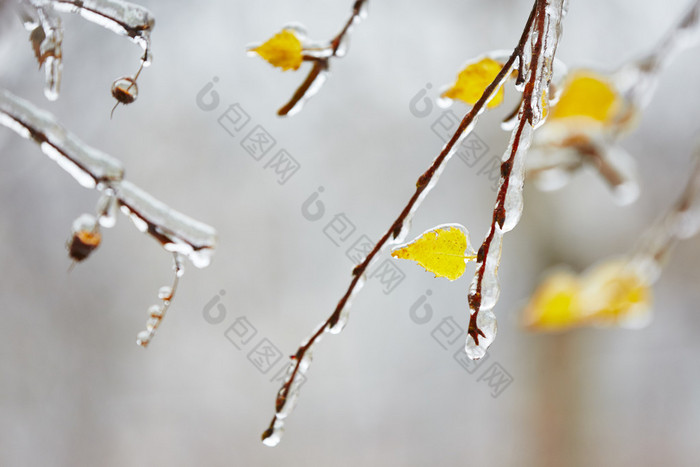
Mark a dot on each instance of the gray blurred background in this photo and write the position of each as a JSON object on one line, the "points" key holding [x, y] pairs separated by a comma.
{"points": [[76, 390]]}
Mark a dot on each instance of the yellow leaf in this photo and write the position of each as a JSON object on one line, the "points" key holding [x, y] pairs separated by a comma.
{"points": [[589, 96], [443, 250], [616, 294], [555, 304], [283, 50], [612, 293], [473, 80]]}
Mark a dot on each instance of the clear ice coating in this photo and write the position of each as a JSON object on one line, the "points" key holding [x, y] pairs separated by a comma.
{"points": [[156, 313], [125, 90], [638, 79], [680, 222], [299, 365], [95, 169], [107, 209], [177, 232], [486, 321], [514, 194], [40, 18], [485, 284], [87, 165], [451, 150], [123, 18], [50, 51], [84, 223]]}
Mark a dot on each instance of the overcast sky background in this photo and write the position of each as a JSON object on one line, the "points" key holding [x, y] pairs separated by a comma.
{"points": [[76, 390]]}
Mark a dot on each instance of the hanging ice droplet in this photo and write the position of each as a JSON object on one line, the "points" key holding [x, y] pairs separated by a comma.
{"points": [[486, 321], [272, 436], [155, 311], [107, 210], [151, 323], [125, 90], [142, 338], [165, 292]]}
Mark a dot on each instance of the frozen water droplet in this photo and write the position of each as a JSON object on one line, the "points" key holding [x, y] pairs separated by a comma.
{"points": [[53, 78], [272, 437], [84, 222], [125, 90], [155, 311], [107, 210], [165, 292], [341, 322], [151, 324], [142, 338], [486, 321], [444, 102]]}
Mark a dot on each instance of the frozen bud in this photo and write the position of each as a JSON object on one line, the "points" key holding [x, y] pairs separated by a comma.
{"points": [[85, 239], [125, 90]]}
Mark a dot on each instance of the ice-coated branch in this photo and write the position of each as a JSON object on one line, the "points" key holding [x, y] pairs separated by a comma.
{"points": [[177, 233], [288, 393], [485, 289], [681, 221], [46, 32], [640, 78], [585, 134], [321, 59]]}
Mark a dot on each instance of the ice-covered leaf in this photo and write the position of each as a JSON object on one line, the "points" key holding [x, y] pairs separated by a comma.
{"points": [[473, 80], [443, 250], [282, 50]]}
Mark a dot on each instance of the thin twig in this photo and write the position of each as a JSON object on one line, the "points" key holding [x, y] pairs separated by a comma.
{"points": [[321, 63], [424, 181]]}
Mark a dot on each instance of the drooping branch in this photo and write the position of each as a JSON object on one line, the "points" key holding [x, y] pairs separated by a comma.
{"points": [[177, 233], [288, 393]]}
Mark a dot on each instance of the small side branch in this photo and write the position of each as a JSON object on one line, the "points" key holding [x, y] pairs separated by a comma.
{"points": [[316, 76]]}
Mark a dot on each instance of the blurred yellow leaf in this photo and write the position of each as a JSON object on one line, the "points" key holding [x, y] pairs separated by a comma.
{"points": [[442, 251], [587, 95], [616, 294], [283, 50], [612, 293], [555, 304], [473, 80]]}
